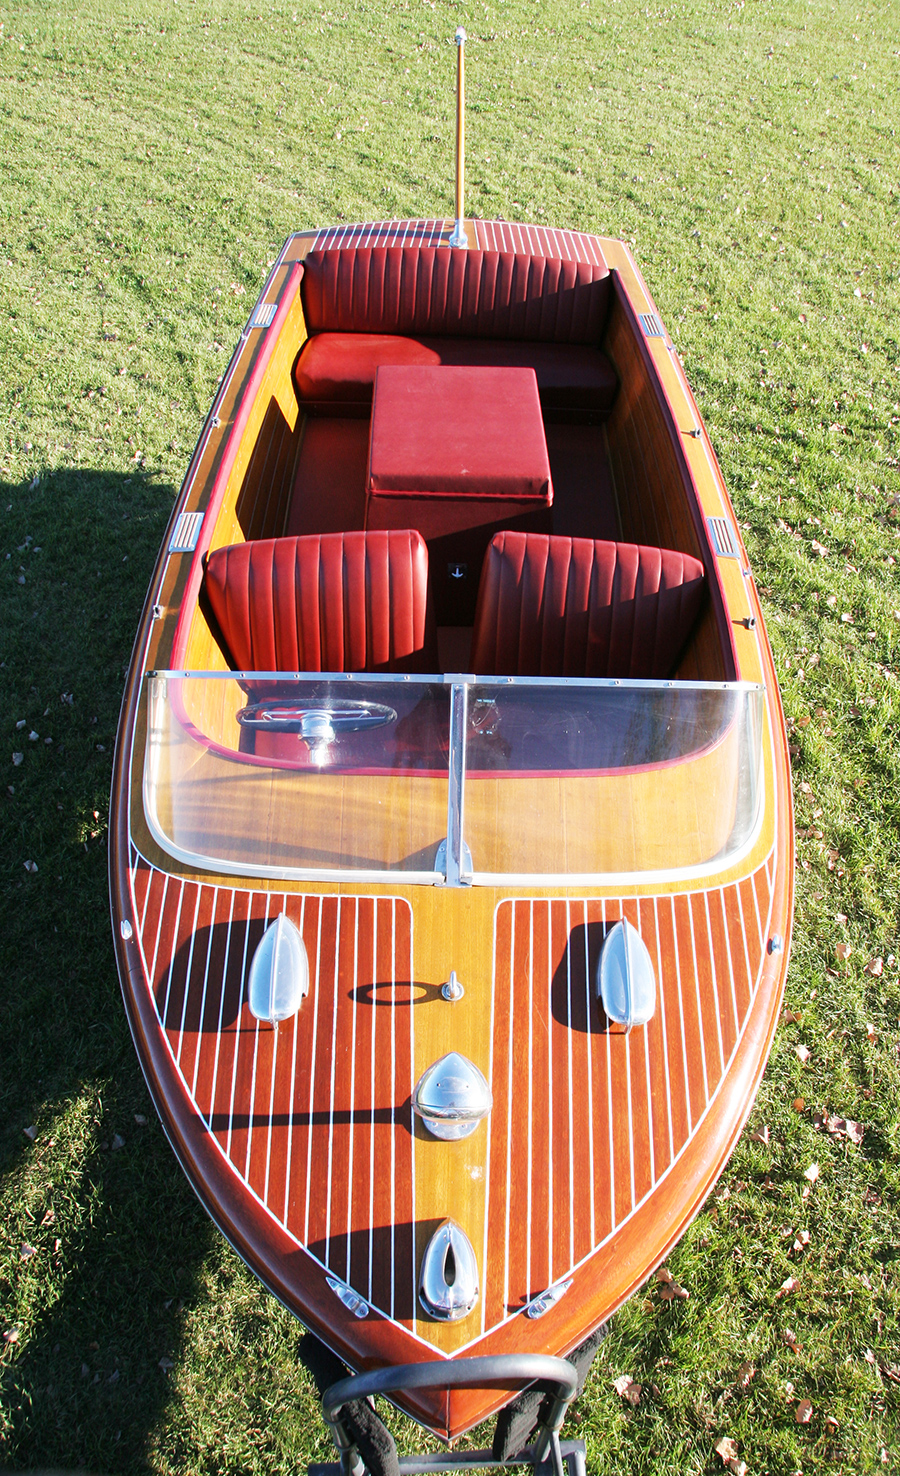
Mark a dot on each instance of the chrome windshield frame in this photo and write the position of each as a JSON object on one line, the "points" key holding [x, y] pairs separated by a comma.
{"points": [[453, 864]]}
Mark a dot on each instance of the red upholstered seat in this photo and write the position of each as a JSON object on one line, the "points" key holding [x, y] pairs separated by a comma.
{"points": [[415, 290], [550, 606], [330, 602], [368, 306], [339, 368]]}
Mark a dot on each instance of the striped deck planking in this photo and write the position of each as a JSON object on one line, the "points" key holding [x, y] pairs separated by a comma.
{"points": [[315, 1119]]}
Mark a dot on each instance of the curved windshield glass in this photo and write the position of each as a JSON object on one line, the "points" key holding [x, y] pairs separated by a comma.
{"points": [[457, 779]]}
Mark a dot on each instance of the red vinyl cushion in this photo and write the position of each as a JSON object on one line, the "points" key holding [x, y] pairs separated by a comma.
{"points": [[325, 602], [551, 606], [468, 294], [335, 368], [457, 432]]}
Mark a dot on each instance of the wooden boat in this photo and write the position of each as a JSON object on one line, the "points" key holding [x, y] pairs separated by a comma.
{"points": [[452, 855]]}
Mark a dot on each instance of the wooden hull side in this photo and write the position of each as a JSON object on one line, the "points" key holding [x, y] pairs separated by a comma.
{"points": [[301, 1143]]}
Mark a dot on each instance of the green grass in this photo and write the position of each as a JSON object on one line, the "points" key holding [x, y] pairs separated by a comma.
{"points": [[154, 158]]}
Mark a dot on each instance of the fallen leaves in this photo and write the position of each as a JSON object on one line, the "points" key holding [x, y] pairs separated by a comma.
{"points": [[628, 1390], [843, 951], [812, 1173], [804, 1412], [727, 1449], [792, 1341], [802, 1053], [744, 1374], [839, 1127], [671, 1291], [790, 1284]]}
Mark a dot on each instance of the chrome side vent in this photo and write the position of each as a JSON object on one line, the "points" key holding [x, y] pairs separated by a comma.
{"points": [[279, 973], [452, 1097], [722, 538], [448, 1279], [626, 982], [186, 532], [264, 314], [652, 325]]}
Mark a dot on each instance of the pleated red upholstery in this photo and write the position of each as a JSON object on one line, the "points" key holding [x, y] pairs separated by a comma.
{"points": [[340, 368], [468, 294], [326, 602], [551, 606]]}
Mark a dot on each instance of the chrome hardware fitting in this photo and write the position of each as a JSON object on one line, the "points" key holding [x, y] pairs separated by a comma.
{"points": [[157, 612], [351, 1299], [548, 1299], [465, 869], [126, 930], [776, 944], [748, 622], [452, 990], [279, 973], [626, 982], [448, 1279], [452, 1097]]}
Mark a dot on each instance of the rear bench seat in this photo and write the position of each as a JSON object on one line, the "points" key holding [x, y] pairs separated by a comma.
{"points": [[401, 305]]}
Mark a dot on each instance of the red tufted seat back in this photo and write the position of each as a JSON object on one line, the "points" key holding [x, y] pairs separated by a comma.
{"points": [[327, 602], [470, 294], [551, 606]]}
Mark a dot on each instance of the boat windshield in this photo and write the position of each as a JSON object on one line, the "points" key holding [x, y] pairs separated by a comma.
{"points": [[451, 780]]}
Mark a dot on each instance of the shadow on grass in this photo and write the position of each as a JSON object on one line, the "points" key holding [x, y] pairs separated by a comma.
{"points": [[118, 1238]]}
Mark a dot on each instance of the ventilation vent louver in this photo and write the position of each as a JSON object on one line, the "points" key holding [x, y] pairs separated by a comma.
{"points": [[263, 315], [652, 326], [723, 538], [186, 532]]}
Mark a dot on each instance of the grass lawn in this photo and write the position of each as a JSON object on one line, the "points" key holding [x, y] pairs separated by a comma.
{"points": [[154, 158]]}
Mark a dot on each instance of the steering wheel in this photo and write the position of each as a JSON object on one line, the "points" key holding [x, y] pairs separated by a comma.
{"points": [[316, 722]]}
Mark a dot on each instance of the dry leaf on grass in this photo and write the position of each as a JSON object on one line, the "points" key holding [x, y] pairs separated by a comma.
{"points": [[843, 951], [831, 1424], [11, 1335], [791, 1339], [727, 1449], [802, 1053], [744, 1374], [803, 1413], [761, 1135], [799, 1104], [802, 1240], [627, 1389], [812, 1173], [875, 967], [790, 1284], [26, 1251], [671, 1291]]}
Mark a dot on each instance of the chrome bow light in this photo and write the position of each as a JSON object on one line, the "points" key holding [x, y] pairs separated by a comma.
{"points": [[279, 972], [448, 1279], [626, 982], [452, 1097]]}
